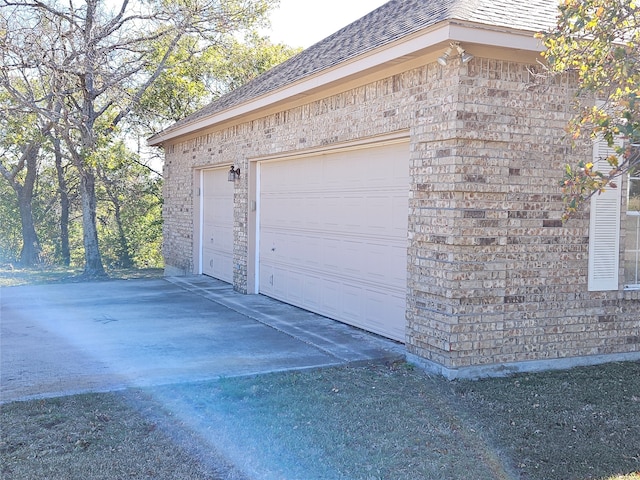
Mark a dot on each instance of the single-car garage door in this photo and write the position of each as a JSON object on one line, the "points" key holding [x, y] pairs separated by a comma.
{"points": [[217, 224], [333, 235]]}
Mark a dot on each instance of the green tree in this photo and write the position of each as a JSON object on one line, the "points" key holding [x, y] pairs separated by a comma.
{"points": [[598, 41], [85, 66], [130, 209], [20, 146], [192, 79], [241, 61], [10, 233]]}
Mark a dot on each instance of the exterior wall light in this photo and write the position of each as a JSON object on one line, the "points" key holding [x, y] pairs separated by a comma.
{"points": [[464, 56], [442, 60], [234, 174]]}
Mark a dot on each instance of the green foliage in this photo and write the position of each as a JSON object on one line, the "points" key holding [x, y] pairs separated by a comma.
{"points": [[180, 89], [135, 238], [46, 211], [194, 77], [599, 42], [81, 69], [135, 189], [130, 209], [161, 59], [10, 236], [241, 61], [20, 140]]}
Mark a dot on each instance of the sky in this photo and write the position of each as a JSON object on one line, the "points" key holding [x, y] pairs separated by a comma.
{"points": [[301, 23]]}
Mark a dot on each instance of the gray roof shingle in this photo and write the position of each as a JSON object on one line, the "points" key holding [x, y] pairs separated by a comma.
{"points": [[390, 22]]}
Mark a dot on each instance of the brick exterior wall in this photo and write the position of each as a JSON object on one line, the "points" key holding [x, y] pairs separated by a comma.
{"points": [[494, 276]]}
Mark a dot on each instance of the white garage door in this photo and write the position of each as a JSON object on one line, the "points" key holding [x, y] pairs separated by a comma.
{"points": [[217, 225], [333, 235]]}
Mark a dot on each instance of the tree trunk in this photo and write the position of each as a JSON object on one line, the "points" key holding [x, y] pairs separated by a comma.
{"points": [[93, 260], [65, 252], [30, 252]]}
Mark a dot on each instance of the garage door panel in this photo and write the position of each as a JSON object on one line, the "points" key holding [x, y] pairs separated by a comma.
{"points": [[381, 312], [383, 266], [331, 213], [312, 247], [296, 250], [330, 292], [282, 281], [352, 258], [314, 212], [295, 287], [265, 278], [313, 292], [333, 235], [351, 213], [290, 247], [301, 249], [372, 216], [379, 215], [337, 175], [269, 214], [352, 303], [218, 237], [296, 219], [397, 270], [398, 223], [374, 261], [217, 264], [216, 213], [218, 200]]}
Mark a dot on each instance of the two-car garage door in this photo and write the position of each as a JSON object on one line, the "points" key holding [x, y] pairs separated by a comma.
{"points": [[333, 235]]}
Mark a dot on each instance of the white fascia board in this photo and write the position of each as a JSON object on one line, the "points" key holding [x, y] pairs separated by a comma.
{"points": [[490, 36], [388, 54]]}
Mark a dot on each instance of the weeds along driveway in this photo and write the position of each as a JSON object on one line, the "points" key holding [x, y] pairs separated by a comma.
{"points": [[60, 339]]}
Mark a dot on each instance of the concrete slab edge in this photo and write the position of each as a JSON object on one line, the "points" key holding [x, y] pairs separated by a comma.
{"points": [[247, 312], [392, 355], [121, 387], [399, 353], [506, 369]]}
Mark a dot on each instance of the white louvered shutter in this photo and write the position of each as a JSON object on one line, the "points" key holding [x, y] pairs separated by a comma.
{"points": [[604, 228]]}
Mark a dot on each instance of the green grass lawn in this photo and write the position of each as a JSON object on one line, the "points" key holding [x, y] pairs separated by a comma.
{"points": [[372, 422]]}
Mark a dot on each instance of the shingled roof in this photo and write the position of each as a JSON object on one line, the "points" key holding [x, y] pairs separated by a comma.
{"points": [[388, 23]]}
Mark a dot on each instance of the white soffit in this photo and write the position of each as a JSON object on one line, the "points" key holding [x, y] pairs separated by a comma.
{"points": [[397, 52]]}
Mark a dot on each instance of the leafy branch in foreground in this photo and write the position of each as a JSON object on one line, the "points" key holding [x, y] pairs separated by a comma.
{"points": [[598, 41]]}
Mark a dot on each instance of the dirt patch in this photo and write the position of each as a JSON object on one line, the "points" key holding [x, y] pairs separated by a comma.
{"points": [[372, 422]]}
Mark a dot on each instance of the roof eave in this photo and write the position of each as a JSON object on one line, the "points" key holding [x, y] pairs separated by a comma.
{"points": [[406, 47]]}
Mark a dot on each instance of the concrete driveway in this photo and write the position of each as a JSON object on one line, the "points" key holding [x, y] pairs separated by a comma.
{"points": [[62, 339]]}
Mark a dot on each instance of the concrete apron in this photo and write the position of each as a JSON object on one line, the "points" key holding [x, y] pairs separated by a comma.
{"points": [[63, 339]]}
